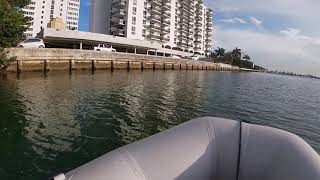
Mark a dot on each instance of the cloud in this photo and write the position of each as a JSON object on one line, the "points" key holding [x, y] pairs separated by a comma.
{"points": [[273, 51], [234, 21], [295, 34], [292, 8], [297, 13], [255, 21]]}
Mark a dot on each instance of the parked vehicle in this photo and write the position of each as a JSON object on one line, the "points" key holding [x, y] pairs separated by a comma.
{"points": [[195, 57], [104, 47], [175, 57], [32, 43]]}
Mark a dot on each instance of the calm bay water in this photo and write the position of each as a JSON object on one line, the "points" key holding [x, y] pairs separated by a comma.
{"points": [[54, 123]]}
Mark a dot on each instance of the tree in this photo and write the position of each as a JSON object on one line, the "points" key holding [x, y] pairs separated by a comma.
{"points": [[246, 57], [228, 58], [12, 24], [237, 52], [220, 52], [236, 57], [213, 56], [5, 61]]}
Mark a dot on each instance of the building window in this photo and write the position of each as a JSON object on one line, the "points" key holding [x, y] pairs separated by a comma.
{"points": [[133, 30], [134, 10], [134, 20], [134, 2], [143, 32]]}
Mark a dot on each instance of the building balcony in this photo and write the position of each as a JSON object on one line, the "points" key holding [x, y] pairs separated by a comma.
{"points": [[166, 6], [209, 24], [166, 30], [208, 29], [184, 23], [155, 25], [210, 11], [155, 8], [119, 3], [159, 37], [156, 2], [166, 21], [117, 32], [155, 29], [166, 14], [197, 30], [197, 35], [196, 48], [183, 30], [190, 43], [198, 18], [118, 13], [155, 35], [197, 41], [183, 36], [199, 10], [117, 22], [182, 45], [208, 35], [208, 46], [198, 24]]}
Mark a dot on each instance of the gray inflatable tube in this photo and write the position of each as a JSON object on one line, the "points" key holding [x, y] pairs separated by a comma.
{"points": [[207, 149]]}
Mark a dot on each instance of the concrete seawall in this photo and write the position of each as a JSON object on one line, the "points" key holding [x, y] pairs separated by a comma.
{"points": [[70, 59]]}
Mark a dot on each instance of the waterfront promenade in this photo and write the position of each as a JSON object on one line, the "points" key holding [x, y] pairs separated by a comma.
{"points": [[72, 59]]}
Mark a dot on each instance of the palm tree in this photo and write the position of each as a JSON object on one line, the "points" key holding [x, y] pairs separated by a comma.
{"points": [[246, 57], [236, 57], [237, 52], [228, 58], [213, 55], [220, 53]]}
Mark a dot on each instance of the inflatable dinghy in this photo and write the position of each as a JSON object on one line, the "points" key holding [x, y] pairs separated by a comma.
{"points": [[207, 149]]}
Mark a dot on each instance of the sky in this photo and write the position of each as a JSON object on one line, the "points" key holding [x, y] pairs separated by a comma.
{"points": [[277, 34]]}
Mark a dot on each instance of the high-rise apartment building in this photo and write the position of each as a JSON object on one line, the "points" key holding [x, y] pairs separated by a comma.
{"points": [[178, 24], [42, 11]]}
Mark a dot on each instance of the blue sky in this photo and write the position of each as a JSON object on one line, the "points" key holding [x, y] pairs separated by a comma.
{"points": [[277, 34]]}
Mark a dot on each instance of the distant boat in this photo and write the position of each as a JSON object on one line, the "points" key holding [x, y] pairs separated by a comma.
{"points": [[207, 149]]}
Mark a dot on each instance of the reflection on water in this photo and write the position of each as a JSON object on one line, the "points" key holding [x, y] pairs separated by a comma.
{"points": [[57, 122]]}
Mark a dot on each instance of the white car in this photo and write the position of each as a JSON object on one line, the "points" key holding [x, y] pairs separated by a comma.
{"points": [[32, 43], [195, 57], [104, 47], [175, 57]]}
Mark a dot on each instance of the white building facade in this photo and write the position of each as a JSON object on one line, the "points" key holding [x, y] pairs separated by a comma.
{"points": [[42, 11], [184, 25]]}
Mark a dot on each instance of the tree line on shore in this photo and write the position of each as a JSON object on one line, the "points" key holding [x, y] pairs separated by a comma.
{"points": [[235, 57]]}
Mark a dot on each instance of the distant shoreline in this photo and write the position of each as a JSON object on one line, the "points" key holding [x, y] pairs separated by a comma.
{"points": [[294, 74]]}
